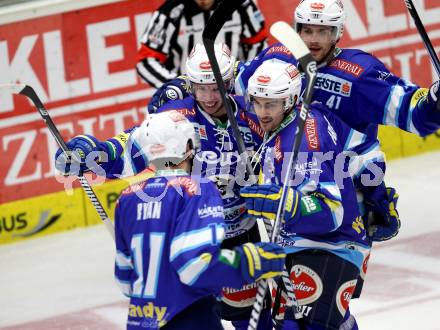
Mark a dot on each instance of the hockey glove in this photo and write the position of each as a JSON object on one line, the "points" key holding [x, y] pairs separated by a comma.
{"points": [[263, 200], [260, 260], [383, 218], [85, 152], [176, 89]]}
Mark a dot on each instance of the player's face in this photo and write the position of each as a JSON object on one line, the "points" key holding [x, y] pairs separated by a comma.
{"points": [[320, 39], [205, 4], [209, 98], [269, 112]]}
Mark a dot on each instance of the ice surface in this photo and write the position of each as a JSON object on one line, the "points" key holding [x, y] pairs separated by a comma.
{"points": [[65, 281]]}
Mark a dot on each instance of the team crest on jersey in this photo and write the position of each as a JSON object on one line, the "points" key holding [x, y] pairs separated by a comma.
{"points": [[344, 294], [312, 134], [307, 284], [348, 67]]}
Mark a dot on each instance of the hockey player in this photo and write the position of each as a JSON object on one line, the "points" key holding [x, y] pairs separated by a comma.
{"points": [[168, 234], [218, 158], [358, 88], [177, 26], [322, 230], [354, 85]]}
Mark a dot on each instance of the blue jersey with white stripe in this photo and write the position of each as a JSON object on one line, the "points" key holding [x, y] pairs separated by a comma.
{"points": [[327, 214], [359, 89], [168, 235], [218, 159]]}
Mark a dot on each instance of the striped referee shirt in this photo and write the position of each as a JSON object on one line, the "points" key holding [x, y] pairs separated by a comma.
{"points": [[178, 25]]}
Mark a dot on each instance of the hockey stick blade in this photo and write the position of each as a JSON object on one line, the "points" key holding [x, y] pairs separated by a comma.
{"points": [[29, 92], [425, 38], [285, 34], [13, 88]]}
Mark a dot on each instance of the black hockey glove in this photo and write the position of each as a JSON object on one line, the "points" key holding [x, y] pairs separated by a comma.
{"points": [[176, 89], [382, 217]]}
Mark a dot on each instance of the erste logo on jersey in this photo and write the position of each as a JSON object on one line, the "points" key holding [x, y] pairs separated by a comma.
{"points": [[348, 67], [333, 84]]}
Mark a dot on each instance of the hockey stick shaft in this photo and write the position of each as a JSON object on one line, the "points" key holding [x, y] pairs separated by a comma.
{"points": [[421, 28], [287, 36], [30, 93], [221, 14]]}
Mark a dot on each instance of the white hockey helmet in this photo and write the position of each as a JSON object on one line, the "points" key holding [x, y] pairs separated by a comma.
{"points": [[164, 136], [198, 67], [276, 79], [321, 12]]}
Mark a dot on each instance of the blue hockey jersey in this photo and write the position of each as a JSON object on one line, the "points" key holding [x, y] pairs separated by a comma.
{"points": [[168, 233], [218, 159], [359, 89], [327, 214]]}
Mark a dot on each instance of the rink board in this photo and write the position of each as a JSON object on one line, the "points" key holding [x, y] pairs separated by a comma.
{"points": [[81, 61]]}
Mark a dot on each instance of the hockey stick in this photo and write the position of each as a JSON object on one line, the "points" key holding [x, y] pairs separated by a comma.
{"points": [[221, 14], [30, 93], [413, 12], [284, 33]]}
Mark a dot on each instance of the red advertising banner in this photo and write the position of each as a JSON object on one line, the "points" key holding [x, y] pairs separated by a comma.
{"points": [[82, 64]]}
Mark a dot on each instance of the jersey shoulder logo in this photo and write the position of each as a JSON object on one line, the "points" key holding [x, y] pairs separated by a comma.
{"points": [[348, 67], [312, 134]]}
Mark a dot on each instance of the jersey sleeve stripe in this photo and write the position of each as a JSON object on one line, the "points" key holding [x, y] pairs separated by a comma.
{"points": [[354, 139], [193, 269], [124, 286], [123, 261], [392, 107], [211, 235]]}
